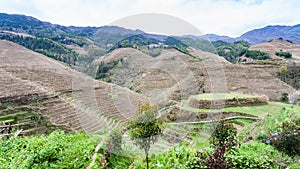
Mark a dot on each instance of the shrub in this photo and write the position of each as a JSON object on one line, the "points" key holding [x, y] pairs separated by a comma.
{"points": [[217, 159], [284, 97], [254, 155], [255, 54], [289, 139], [284, 54], [58, 150], [224, 133], [115, 142]]}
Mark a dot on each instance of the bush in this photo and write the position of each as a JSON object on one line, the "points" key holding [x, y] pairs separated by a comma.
{"points": [[284, 54], [223, 134], [257, 155], [255, 54], [289, 139], [217, 159], [284, 97], [179, 157], [114, 144], [58, 150]]}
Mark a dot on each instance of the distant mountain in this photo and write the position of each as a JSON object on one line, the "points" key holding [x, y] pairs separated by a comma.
{"points": [[261, 35], [256, 36], [214, 37], [33, 26], [112, 34]]}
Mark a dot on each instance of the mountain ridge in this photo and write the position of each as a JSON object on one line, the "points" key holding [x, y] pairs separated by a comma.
{"points": [[24, 24]]}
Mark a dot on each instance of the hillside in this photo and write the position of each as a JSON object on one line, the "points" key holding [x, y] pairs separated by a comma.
{"points": [[277, 45], [36, 85], [175, 75]]}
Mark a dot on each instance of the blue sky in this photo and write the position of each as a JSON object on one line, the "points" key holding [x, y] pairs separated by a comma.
{"points": [[223, 17]]}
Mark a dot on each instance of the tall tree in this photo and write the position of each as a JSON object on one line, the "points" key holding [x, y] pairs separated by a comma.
{"points": [[145, 128], [283, 72]]}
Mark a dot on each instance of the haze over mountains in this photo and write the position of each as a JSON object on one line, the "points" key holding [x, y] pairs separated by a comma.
{"points": [[25, 24]]}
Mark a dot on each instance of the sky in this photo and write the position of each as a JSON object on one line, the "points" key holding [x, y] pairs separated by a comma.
{"points": [[222, 17]]}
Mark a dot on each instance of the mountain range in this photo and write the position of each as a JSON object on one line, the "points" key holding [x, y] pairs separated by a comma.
{"points": [[33, 26]]}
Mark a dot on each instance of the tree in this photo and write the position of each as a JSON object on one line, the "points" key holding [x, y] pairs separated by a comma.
{"points": [[283, 71], [115, 142], [145, 128], [284, 97], [289, 139], [224, 134]]}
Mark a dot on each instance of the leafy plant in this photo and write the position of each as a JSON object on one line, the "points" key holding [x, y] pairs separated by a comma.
{"points": [[255, 155], [216, 160], [145, 128], [224, 134], [115, 142], [58, 150], [289, 139]]}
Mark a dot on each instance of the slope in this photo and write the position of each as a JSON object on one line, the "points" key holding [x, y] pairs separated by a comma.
{"points": [[274, 46], [58, 94], [173, 75]]}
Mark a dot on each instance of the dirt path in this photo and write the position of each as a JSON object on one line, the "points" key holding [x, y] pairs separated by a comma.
{"points": [[95, 154]]}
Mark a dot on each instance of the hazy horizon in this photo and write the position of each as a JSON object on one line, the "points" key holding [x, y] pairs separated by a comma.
{"points": [[228, 18]]}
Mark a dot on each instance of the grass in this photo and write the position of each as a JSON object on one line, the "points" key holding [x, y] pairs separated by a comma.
{"points": [[242, 122], [12, 115], [217, 96], [259, 110]]}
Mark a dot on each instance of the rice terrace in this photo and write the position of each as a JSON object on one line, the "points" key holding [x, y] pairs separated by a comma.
{"points": [[133, 95]]}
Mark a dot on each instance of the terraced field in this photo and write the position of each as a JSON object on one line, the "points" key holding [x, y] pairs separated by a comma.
{"points": [[33, 85], [174, 76], [276, 45]]}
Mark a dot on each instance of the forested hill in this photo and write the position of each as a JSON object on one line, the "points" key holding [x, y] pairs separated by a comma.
{"points": [[33, 26]]}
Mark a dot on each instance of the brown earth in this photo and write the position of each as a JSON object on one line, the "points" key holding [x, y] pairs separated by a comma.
{"points": [[174, 75], [61, 95], [223, 103], [276, 45]]}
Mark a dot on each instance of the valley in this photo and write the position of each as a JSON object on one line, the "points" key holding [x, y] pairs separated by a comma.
{"points": [[64, 87]]}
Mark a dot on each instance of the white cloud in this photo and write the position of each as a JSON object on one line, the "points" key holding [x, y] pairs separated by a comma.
{"points": [[226, 17]]}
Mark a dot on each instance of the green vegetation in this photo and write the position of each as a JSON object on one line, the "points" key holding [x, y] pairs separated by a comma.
{"points": [[255, 54], [231, 51], [290, 75], [255, 155], [201, 44], [284, 54], [135, 41], [259, 110], [284, 97], [289, 139], [114, 144], [179, 157], [224, 134], [45, 151], [145, 128], [44, 46], [103, 68], [58, 150]]}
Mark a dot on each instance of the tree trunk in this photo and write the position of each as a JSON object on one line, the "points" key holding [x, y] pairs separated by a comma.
{"points": [[147, 160]]}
